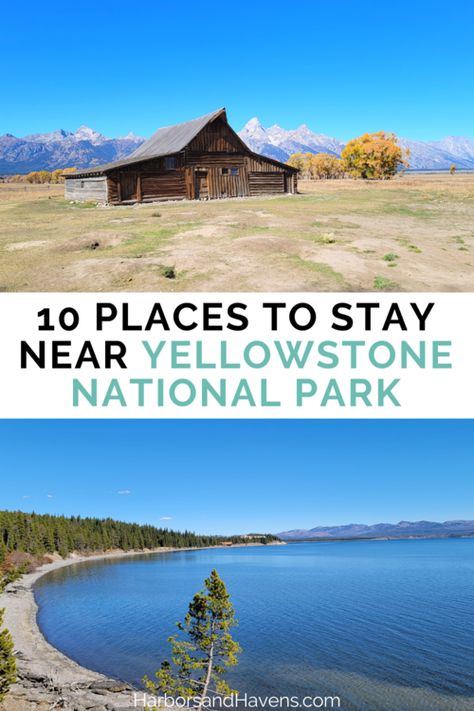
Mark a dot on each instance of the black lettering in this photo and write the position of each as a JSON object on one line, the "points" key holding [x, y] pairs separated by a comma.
{"points": [[105, 312], [394, 317], [274, 313], [209, 316], [311, 316], [126, 325], [422, 317], [233, 313], [27, 351], [367, 308], [57, 354], [177, 317], [157, 316], [338, 313], [118, 356], [87, 355]]}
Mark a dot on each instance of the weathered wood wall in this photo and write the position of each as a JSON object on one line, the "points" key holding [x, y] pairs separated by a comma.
{"points": [[163, 186], [268, 177], [150, 180], [261, 183], [265, 165], [113, 188], [86, 188], [221, 182]]}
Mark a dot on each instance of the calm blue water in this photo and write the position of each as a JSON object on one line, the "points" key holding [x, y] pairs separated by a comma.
{"points": [[385, 625]]}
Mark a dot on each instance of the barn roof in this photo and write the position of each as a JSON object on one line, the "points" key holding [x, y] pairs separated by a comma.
{"points": [[167, 141], [173, 139]]}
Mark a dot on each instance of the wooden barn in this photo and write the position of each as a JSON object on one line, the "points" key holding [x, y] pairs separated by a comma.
{"points": [[201, 159]]}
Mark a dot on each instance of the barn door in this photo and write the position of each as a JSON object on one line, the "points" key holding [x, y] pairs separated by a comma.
{"points": [[201, 188], [128, 186]]}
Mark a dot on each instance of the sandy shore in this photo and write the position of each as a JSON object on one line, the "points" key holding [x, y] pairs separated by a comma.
{"points": [[48, 679]]}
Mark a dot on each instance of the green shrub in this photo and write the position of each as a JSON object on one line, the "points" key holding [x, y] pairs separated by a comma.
{"points": [[383, 284], [7, 660], [169, 272]]}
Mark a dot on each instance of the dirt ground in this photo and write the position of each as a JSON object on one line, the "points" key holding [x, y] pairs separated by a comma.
{"points": [[415, 233]]}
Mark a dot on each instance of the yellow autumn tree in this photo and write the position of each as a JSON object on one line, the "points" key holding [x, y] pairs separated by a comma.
{"points": [[374, 156], [301, 161], [324, 166], [44, 176], [316, 166], [39, 176]]}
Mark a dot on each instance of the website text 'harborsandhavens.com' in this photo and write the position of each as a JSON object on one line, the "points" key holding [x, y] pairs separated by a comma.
{"points": [[235, 700]]}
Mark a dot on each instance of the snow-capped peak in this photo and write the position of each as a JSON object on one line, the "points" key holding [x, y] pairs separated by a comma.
{"points": [[253, 124], [58, 135], [280, 143], [84, 133], [302, 132], [131, 137], [277, 135], [457, 145], [253, 129]]}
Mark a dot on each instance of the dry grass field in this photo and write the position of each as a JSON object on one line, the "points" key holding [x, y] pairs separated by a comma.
{"points": [[415, 233]]}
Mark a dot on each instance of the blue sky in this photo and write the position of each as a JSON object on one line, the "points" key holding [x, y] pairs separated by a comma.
{"points": [[342, 67], [237, 476]]}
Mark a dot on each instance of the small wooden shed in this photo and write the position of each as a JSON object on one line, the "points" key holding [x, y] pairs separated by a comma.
{"points": [[201, 159]]}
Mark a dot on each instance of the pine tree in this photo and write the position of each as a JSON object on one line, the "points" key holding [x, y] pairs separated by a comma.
{"points": [[7, 660], [200, 659]]}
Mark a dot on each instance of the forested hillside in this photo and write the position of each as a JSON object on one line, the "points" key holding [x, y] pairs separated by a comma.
{"points": [[41, 534]]}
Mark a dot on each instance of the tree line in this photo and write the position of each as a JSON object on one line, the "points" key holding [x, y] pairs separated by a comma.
{"points": [[40, 534], [372, 156], [40, 177]]}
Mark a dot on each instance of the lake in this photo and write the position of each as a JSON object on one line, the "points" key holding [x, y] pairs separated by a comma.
{"points": [[384, 625]]}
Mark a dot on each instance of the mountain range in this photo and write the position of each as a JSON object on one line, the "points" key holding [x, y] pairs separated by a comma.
{"points": [[276, 142], [402, 529], [86, 148]]}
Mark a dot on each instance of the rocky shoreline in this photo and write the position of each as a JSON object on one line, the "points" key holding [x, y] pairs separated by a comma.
{"points": [[47, 679]]}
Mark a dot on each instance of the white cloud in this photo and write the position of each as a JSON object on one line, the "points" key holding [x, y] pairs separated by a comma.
{"points": [[49, 496], [166, 518], [124, 492], [26, 496]]}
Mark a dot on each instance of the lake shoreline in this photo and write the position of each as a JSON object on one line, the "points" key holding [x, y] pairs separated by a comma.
{"points": [[46, 676]]}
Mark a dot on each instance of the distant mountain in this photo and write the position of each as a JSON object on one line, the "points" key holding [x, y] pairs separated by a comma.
{"points": [[86, 148], [402, 529], [277, 142], [436, 156], [83, 148]]}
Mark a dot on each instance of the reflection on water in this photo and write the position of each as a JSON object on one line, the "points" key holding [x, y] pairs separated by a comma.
{"points": [[385, 625]]}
